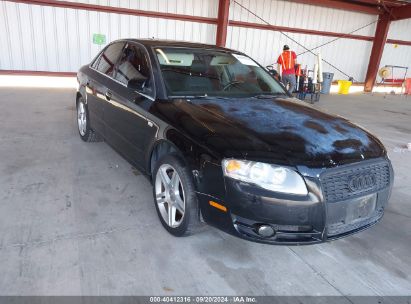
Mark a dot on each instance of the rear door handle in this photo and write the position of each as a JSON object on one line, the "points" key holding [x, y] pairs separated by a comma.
{"points": [[108, 95]]}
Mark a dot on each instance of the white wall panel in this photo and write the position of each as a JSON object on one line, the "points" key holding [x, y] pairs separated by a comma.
{"points": [[204, 8], [296, 15], [350, 56], [58, 39], [400, 30], [400, 56], [45, 38]]}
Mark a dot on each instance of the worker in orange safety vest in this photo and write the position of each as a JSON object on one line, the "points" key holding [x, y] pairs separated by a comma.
{"points": [[286, 67]]}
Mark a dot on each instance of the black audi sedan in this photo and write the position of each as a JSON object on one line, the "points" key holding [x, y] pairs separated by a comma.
{"points": [[223, 143]]}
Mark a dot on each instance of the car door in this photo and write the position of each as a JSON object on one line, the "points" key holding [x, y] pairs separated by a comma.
{"points": [[102, 71], [127, 125]]}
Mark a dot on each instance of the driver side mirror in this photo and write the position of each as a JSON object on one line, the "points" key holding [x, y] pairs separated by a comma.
{"points": [[137, 84]]}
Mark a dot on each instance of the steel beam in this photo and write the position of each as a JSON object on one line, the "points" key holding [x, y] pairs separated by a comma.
{"points": [[387, 3], [126, 11], [277, 28], [222, 22], [400, 13], [380, 39], [343, 5], [399, 42], [118, 10], [286, 29], [37, 73]]}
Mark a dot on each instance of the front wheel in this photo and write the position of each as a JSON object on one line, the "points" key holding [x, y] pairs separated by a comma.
{"points": [[175, 197]]}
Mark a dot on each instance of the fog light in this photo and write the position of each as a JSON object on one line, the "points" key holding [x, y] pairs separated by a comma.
{"points": [[265, 231]]}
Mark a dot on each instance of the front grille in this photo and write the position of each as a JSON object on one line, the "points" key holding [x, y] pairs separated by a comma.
{"points": [[355, 180]]}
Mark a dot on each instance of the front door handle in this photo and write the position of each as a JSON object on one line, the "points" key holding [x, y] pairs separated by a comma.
{"points": [[108, 95]]}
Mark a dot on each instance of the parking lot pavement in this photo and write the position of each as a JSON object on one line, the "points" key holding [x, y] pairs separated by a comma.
{"points": [[77, 219]]}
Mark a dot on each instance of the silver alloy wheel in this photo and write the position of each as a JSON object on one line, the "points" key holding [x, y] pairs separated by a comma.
{"points": [[81, 118], [170, 195]]}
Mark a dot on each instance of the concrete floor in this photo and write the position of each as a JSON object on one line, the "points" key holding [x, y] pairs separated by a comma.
{"points": [[76, 219]]}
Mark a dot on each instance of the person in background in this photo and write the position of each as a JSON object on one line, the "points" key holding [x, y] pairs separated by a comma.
{"points": [[286, 67]]}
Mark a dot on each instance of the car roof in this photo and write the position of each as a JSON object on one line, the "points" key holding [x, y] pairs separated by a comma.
{"points": [[175, 43]]}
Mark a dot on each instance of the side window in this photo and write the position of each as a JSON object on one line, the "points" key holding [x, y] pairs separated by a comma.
{"points": [[95, 62], [133, 69], [107, 60]]}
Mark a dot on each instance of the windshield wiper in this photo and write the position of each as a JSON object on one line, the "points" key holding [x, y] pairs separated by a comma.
{"points": [[189, 73], [199, 96], [269, 95], [188, 96]]}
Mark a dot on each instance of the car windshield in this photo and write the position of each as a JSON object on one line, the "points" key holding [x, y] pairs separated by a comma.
{"points": [[199, 72]]}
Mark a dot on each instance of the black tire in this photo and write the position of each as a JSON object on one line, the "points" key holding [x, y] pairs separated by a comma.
{"points": [[88, 135], [190, 223]]}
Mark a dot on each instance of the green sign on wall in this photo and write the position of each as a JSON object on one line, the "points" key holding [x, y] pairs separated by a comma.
{"points": [[99, 39]]}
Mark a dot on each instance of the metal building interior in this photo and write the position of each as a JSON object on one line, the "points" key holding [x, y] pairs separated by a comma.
{"points": [[78, 219]]}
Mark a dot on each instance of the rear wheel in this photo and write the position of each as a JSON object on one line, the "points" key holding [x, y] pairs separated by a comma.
{"points": [[83, 123], [175, 197]]}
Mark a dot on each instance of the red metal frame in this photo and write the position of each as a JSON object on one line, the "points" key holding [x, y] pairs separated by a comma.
{"points": [[381, 33], [312, 32], [222, 22], [37, 73], [387, 3], [297, 30], [343, 5], [118, 10], [402, 12], [221, 26], [399, 42]]}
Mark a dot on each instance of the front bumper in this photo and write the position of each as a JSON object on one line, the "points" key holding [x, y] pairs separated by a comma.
{"points": [[328, 212]]}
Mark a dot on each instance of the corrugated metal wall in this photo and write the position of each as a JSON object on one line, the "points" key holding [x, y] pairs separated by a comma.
{"points": [[44, 38], [296, 15], [204, 8], [400, 30], [398, 54], [350, 56]]}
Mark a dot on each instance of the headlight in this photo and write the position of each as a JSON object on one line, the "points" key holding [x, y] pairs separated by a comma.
{"points": [[270, 177]]}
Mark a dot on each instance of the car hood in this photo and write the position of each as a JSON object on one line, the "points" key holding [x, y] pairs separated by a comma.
{"points": [[280, 130]]}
